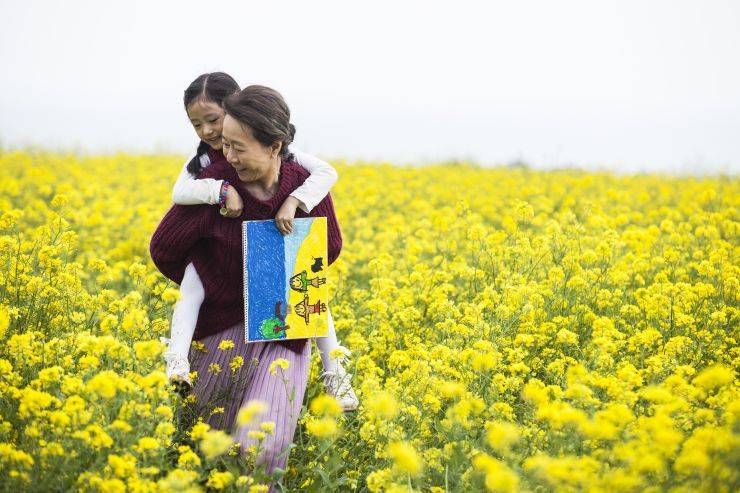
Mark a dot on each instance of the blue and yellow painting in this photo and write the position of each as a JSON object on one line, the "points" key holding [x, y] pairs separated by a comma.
{"points": [[285, 292]]}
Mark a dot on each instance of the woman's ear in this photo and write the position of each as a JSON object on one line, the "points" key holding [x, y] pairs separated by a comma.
{"points": [[276, 148]]}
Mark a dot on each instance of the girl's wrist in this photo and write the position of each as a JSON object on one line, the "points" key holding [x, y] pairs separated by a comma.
{"points": [[294, 202]]}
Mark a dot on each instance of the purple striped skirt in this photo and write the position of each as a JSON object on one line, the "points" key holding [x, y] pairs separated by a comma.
{"points": [[232, 390]]}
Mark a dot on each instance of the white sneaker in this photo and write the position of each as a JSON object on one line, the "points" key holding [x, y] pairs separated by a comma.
{"points": [[178, 368], [338, 384]]}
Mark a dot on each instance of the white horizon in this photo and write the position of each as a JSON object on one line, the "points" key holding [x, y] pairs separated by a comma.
{"points": [[624, 86]]}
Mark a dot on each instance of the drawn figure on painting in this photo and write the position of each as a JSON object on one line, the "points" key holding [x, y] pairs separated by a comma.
{"points": [[300, 282], [305, 308]]}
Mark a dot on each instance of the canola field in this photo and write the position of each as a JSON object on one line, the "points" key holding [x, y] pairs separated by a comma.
{"points": [[511, 330]]}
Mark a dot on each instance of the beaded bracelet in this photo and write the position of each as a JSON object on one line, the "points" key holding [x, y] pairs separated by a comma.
{"points": [[222, 198]]}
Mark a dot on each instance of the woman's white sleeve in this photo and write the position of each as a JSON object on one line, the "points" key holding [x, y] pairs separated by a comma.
{"points": [[317, 186], [191, 191]]}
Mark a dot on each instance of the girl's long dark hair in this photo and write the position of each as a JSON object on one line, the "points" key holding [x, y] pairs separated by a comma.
{"points": [[214, 87]]}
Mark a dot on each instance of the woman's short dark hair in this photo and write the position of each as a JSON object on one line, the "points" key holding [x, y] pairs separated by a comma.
{"points": [[265, 111], [214, 87]]}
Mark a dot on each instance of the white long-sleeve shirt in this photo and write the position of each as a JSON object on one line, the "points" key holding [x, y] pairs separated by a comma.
{"points": [[190, 191]]}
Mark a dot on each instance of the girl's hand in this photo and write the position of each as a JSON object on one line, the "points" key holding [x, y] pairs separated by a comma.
{"points": [[285, 215], [234, 203]]}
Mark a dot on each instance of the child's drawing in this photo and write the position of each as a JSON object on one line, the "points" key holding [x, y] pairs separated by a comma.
{"points": [[284, 297]]}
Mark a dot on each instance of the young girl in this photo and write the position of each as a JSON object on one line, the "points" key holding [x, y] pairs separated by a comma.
{"points": [[203, 99]]}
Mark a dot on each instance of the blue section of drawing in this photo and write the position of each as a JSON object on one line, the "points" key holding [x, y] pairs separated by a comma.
{"points": [[265, 264], [293, 242]]}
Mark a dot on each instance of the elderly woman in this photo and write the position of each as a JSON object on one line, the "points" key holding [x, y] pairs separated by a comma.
{"points": [[257, 164]]}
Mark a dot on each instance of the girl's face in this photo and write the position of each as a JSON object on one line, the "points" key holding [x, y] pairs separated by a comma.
{"points": [[207, 118], [248, 156]]}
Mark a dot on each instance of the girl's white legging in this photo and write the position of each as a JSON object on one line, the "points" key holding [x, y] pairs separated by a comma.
{"points": [[185, 317]]}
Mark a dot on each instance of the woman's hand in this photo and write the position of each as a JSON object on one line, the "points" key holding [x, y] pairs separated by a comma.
{"points": [[234, 203], [285, 215]]}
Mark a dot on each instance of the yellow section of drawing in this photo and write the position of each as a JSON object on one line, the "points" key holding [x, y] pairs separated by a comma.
{"points": [[308, 294]]}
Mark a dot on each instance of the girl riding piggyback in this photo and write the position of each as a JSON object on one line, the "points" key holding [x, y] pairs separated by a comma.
{"points": [[203, 103]]}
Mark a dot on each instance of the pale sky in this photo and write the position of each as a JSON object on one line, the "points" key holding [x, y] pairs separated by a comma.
{"points": [[627, 85]]}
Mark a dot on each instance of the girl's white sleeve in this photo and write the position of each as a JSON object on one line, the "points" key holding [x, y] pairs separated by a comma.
{"points": [[317, 186], [190, 191]]}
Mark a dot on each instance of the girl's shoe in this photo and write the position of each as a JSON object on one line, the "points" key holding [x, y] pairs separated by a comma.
{"points": [[178, 369], [338, 384]]}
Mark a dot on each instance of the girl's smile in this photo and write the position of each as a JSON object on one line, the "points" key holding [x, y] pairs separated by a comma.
{"points": [[207, 118]]}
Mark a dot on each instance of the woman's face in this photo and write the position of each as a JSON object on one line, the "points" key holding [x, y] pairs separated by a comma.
{"points": [[248, 156], [207, 118]]}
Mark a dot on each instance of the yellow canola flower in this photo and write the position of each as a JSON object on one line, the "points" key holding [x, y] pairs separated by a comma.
{"points": [[215, 443], [502, 435], [121, 426], [451, 389], [89, 362], [251, 411], [322, 427], [236, 363], [170, 295], [325, 405], [226, 344], [188, 458], [164, 411], [219, 480], [105, 384], [147, 350], [147, 444], [122, 466], [164, 431], [4, 320], [268, 427], [337, 353], [51, 374], [534, 391], [137, 271], [499, 477], [281, 363], [199, 430], [563, 472], [243, 481], [95, 436], [199, 346], [383, 405], [714, 377], [10, 455], [256, 435], [33, 402], [405, 458], [178, 480]]}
